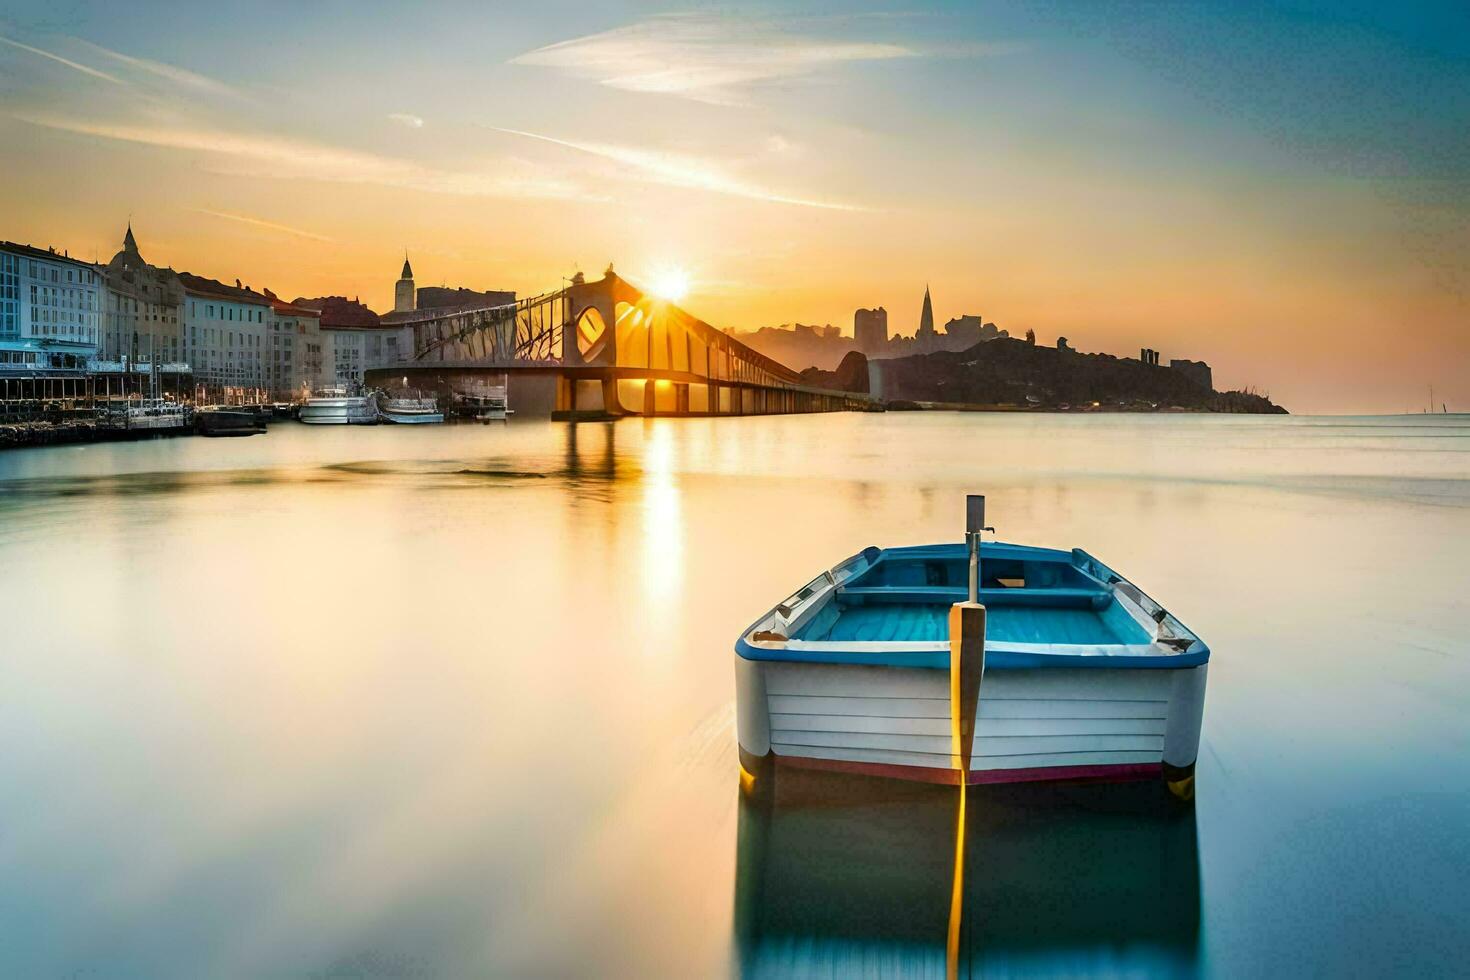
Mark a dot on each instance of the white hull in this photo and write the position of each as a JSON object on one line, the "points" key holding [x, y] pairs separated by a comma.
{"points": [[339, 411], [1026, 719], [156, 423]]}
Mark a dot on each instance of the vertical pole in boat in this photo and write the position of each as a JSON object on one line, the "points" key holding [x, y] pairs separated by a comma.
{"points": [[974, 524], [966, 666]]}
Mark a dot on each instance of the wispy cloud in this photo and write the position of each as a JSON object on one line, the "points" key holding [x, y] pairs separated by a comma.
{"points": [[701, 56], [407, 119], [172, 73], [246, 219], [74, 65], [277, 157], [679, 170]]}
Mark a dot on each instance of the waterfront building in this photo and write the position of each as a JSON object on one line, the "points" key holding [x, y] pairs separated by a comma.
{"points": [[142, 311], [295, 363], [50, 310], [225, 338], [354, 338], [392, 342], [870, 330]]}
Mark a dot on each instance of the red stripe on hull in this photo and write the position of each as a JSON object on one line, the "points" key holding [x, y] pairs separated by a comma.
{"points": [[1117, 773]]}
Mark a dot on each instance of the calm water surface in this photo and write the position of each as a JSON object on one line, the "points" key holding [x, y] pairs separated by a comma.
{"points": [[458, 701]]}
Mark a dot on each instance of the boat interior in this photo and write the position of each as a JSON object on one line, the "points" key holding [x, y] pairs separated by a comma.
{"points": [[1033, 596]]}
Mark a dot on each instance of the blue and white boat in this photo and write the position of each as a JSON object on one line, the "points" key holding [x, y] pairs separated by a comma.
{"points": [[972, 663]]}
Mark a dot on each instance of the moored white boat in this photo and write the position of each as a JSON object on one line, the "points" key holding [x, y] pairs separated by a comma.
{"points": [[156, 414], [408, 409], [876, 667], [339, 406]]}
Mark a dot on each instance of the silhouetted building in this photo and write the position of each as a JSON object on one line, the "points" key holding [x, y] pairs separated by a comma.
{"points": [[964, 332], [443, 298], [823, 348], [1149, 356], [1197, 371], [870, 329], [926, 333], [1062, 344]]}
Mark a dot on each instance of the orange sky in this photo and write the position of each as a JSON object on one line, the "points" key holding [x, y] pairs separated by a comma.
{"points": [[1121, 188]]}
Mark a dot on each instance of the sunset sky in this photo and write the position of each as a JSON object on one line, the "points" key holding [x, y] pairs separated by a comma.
{"points": [[1285, 195]]}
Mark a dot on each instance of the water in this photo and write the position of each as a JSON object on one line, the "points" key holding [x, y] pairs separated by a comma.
{"points": [[458, 701]]}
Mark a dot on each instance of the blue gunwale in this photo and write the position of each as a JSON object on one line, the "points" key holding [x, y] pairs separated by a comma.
{"points": [[1098, 588]]}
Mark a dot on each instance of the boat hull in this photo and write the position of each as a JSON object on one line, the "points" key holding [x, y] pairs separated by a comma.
{"points": [[227, 423], [178, 424], [339, 411], [1031, 724], [413, 418]]}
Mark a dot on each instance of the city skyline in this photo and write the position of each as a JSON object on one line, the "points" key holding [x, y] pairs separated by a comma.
{"points": [[1150, 181]]}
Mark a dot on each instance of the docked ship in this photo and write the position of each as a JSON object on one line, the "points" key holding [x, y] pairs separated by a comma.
{"points": [[228, 421], [339, 405], [970, 663], [155, 415], [409, 408]]}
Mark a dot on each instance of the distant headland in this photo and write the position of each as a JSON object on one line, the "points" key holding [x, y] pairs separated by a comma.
{"points": [[975, 365]]}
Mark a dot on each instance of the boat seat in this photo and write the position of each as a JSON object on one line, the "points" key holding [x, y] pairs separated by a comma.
{"points": [[1067, 597]]}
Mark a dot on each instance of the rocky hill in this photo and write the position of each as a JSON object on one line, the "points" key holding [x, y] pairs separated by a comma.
{"points": [[1009, 373]]}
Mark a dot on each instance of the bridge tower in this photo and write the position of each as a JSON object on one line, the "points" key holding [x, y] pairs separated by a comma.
{"points": [[404, 296]]}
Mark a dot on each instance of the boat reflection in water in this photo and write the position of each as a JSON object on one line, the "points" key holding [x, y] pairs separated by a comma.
{"points": [[841, 876]]}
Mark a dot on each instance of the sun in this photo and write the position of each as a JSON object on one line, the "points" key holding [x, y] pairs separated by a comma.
{"points": [[670, 283]]}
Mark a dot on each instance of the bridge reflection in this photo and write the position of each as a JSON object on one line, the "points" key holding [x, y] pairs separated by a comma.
{"points": [[844, 876], [601, 350]]}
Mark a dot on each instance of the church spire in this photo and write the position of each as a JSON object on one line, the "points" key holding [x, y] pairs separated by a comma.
{"points": [[129, 242], [407, 269], [926, 318]]}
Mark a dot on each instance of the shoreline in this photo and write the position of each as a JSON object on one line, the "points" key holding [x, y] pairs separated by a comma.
{"points": [[903, 405]]}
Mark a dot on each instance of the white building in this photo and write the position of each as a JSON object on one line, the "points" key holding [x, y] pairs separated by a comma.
{"points": [[141, 320], [225, 338], [355, 339], [50, 310], [296, 356]]}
